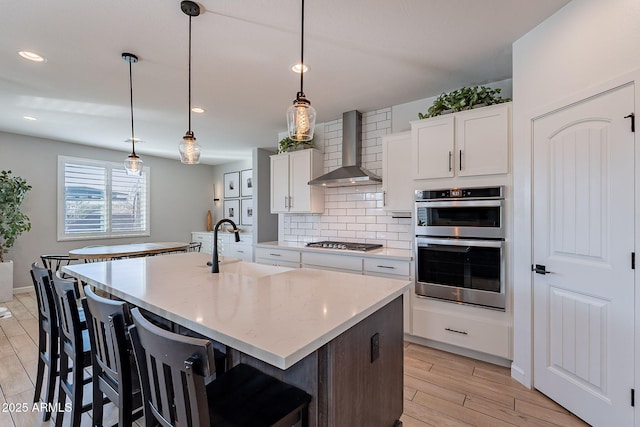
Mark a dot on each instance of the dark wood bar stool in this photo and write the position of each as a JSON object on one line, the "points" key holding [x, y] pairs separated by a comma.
{"points": [[74, 351], [115, 373], [48, 336], [178, 387]]}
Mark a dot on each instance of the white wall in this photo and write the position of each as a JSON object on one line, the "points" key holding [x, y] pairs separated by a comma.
{"points": [[180, 197], [218, 180], [584, 45]]}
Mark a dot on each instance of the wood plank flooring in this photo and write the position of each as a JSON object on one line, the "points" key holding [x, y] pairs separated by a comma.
{"points": [[440, 389]]}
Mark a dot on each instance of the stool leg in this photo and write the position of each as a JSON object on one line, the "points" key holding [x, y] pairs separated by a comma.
{"points": [[51, 375], [76, 394], [62, 392], [97, 398]]}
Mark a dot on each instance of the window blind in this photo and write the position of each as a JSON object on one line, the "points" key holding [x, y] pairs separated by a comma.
{"points": [[101, 200]]}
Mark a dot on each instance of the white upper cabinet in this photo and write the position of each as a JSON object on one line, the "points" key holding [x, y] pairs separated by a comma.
{"points": [[290, 174], [469, 143], [397, 184], [432, 147]]}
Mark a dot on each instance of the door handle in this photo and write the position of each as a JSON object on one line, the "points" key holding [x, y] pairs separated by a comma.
{"points": [[450, 161], [460, 162], [540, 269]]}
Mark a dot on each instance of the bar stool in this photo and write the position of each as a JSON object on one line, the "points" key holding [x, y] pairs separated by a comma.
{"points": [[48, 336], [74, 348], [176, 373], [114, 369]]}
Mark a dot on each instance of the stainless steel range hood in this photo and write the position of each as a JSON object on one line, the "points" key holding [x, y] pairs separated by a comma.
{"points": [[351, 172]]}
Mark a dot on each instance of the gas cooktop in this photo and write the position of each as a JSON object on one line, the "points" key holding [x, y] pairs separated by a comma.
{"points": [[362, 247]]}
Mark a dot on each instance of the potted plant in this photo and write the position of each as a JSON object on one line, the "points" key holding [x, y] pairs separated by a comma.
{"points": [[287, 144], [13, 223], [464, 99]]}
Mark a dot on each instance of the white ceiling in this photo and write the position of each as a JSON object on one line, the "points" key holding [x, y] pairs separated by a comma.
{"points": [[362, 55]]}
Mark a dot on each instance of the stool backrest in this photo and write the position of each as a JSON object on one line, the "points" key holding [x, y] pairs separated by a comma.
{"points": [[48, 319], [172, 371], [68, 316], [54, 262], [107, 321]]}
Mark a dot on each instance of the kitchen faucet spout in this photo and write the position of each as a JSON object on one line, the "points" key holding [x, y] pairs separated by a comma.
{"points": [[215, 267]]}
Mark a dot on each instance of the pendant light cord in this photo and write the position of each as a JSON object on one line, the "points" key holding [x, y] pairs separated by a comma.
{"points": [[190, 76], [302, 51], [133, 140]]}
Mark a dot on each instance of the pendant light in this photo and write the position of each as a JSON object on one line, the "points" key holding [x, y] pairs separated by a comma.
{"points": [[189, 148], [301, 116], [133, 164]]}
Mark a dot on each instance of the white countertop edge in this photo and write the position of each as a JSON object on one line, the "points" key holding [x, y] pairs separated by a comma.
{"points": [[277, 360], [385, 253]]}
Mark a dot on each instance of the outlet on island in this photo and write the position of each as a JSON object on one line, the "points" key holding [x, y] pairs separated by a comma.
{"points": [[375, 347]]}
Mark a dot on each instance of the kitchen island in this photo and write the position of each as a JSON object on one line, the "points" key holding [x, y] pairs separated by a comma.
{"points": [[336, 335]]}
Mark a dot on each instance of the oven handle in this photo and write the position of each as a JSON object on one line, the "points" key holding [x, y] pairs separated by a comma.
{"points": [[424, 241], [461, 203]]}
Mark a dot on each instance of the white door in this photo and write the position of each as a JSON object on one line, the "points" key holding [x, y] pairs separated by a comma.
{"points": [[432, 148], [584, 235], [300, 175]]}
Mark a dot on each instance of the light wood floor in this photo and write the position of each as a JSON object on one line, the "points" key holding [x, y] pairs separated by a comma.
{"points": [[440, 389]]}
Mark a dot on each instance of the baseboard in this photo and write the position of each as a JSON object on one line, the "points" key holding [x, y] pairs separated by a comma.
{"points": [[496, 360], [22, 290], [519, 375]]}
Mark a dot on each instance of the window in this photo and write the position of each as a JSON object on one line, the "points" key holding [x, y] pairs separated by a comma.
{"points": [[99, 200]]}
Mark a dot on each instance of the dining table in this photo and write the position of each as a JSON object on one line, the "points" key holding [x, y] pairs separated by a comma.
{"points": [[336, 335], [106, 252]]}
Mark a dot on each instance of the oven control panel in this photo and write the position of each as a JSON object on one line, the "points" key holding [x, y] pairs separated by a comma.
{"points": [[460, 193]]}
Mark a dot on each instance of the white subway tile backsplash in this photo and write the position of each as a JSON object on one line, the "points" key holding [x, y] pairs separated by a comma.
{"points": [[353, 213]]}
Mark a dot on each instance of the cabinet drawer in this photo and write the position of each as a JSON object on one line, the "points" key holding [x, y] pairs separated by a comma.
{"points": [[468, 332], [332, 261], [244, 252], [279, 255], [387, 267]]}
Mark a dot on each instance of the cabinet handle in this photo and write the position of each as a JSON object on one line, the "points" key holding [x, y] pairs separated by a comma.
{"points": [[286, 199], [384, 198], [460, 162], [290, 201], [386, 266], [241, 252], [275, 254], [449, 161], [457, 332]]}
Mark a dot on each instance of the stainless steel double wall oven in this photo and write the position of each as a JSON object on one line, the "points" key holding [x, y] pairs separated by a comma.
{"points": [[460, 245]]}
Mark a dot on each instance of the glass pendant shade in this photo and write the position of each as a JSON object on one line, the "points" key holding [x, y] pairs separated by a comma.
{"points": [[301, 119], [189, 149], [133, 164]]}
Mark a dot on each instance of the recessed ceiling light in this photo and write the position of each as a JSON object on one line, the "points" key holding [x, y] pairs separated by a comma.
{"points": [[297, 67], [198, 110], [31, 56], [29, 118]]}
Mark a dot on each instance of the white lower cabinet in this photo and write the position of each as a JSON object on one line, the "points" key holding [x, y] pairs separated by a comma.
{"points": [[474, 328], [227, 246], [279, 257], [334, 262], [205, 238]]}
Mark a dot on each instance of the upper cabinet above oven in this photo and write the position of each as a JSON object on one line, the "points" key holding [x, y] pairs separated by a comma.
{"points": [[469, 143]]}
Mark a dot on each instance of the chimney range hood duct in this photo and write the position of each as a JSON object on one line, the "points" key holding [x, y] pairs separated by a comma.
{"points": [[351, 172]]}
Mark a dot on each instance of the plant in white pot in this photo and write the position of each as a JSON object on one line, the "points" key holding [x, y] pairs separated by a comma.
{"points": [[13, 223]]}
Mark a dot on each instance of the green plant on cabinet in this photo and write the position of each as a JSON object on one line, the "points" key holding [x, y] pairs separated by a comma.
{"points": [[464, 98], [287, 144]]}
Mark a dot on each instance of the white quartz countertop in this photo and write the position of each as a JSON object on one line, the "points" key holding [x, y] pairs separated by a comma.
{"points": [[402, 254], [275, 314]]}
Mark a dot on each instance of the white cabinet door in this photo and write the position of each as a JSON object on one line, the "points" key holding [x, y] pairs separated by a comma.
{"points": [[432, 147], [469, 143], [280, 183], [290, 175], [299, 177], [397, 181], [482, 141]]}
